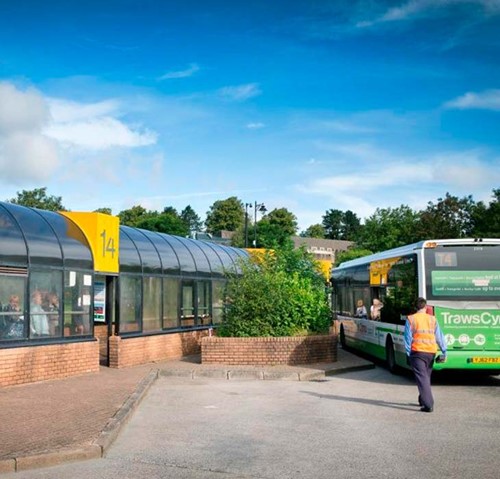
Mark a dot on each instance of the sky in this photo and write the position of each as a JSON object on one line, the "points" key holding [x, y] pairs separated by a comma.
{"points": [[307, 105]]}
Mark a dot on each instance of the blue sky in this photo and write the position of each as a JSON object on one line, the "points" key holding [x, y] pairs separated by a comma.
{"points": [[307, 105]]}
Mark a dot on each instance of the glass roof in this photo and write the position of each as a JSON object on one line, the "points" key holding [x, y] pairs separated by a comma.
{"points": [[154, 253], [36, 237]]}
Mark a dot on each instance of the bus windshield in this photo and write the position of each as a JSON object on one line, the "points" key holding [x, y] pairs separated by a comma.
{"points": [[465, 272]]}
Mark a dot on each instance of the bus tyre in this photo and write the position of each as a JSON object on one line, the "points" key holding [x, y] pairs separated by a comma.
{"points": [[390, 356], [342, 338]]}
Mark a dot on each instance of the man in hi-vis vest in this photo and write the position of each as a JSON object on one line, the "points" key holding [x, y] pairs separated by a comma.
{"points": [[422, 338]]}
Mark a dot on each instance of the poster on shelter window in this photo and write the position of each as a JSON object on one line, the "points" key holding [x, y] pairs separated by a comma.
{"points": [[100, 301]]}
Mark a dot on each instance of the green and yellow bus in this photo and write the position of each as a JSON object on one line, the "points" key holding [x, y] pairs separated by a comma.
{"points": [[460, 278]]}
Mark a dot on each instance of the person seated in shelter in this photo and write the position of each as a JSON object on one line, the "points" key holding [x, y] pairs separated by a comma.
{"points": [[375, 309], [39, 322], [52, 308], [361, 310], [14, 323]]}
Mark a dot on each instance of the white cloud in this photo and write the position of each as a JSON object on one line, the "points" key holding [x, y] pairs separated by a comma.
{"points": [[418, 8], [190, 71], [94, 126], [35, 132], [255, 126], [486, 100], [26, 154], [240, 92], [99, 134]]}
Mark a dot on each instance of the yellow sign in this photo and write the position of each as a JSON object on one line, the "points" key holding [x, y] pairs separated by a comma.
{"points": [[380, 269], [103, 234]]}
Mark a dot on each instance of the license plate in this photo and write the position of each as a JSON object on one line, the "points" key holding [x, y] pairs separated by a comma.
{"points": [[484, 360]]}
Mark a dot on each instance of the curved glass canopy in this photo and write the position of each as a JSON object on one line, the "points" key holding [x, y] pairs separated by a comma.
{"points": [[149, 252], [32, 237]]}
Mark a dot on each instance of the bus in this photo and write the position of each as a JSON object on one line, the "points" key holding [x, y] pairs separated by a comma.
{"points": [[459, 278]]}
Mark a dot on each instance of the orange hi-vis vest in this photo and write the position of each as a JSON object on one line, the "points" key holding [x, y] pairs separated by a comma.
{"points": [[423, 326]]}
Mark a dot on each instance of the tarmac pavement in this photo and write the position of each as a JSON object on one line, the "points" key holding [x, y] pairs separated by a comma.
{"points": [[52, 422]]}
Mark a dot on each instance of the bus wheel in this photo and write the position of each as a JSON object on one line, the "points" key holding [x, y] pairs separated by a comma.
{"points": [[390, 356], [342, 338]]}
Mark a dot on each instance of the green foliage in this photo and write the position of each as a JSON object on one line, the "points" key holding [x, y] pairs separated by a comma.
{"points": [[191, 219], [38, 198], [166, 222], [275, 229], [314, 231], [104, 211], [450, 217], [486, 219], [281, 294], [225, 214], [133, 216], [389, 228], [351, 253], [341, 225]]}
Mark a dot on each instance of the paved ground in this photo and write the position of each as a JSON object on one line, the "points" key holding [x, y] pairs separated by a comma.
{"points": [[361, 424], [77, 418]]}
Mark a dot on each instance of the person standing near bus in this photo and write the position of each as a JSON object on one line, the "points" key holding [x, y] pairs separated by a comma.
{"points": [[422, 338]]}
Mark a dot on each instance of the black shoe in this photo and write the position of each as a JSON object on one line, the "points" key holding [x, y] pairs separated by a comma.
{"points": [[420, 403], [426, 409]]}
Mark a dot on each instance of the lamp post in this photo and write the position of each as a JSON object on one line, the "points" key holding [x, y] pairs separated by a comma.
{"points": [[247, 205], [257, 207]]}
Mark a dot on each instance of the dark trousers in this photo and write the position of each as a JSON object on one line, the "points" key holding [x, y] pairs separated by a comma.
{"points": [[421, 364]]}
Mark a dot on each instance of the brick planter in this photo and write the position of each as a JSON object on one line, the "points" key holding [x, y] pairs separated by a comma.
{"points": [[269, 351]]}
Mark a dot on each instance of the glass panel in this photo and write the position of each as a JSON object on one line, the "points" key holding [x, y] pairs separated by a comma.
{"points": [[43, 245], [77, 303], [214, 257], [13, 245], [217, 301], [13, 308], [170, 302], [169, 259], [151, 318], [186, 260], [130, 262], [201, 260], [463, 272], [187, 304], [147, 252], [130, 304], [204, 303], [45, 307]]}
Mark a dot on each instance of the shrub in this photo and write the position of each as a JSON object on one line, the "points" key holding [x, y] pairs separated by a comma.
{"points": [[281, 293]]}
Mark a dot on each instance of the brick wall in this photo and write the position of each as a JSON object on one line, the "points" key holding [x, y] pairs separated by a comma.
{"points": [[40, 363], [125, 352], [269, 351]]}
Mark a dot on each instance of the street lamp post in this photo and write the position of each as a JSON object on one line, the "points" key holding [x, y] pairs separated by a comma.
{"points": [[257, 207], [247, 205]]}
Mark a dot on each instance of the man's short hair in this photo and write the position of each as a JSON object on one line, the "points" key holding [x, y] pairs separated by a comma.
{"points": [[421, 303]]}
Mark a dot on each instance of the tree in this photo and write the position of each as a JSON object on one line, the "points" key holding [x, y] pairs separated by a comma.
{"points": [[332, 222], [167, 222], [38, 198], [486, 219], [132, 216], [191, 219], [450, 217], [225, 214], [389, 228], [341, 225], [314, 231], [105, 211], [276, 228]]}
